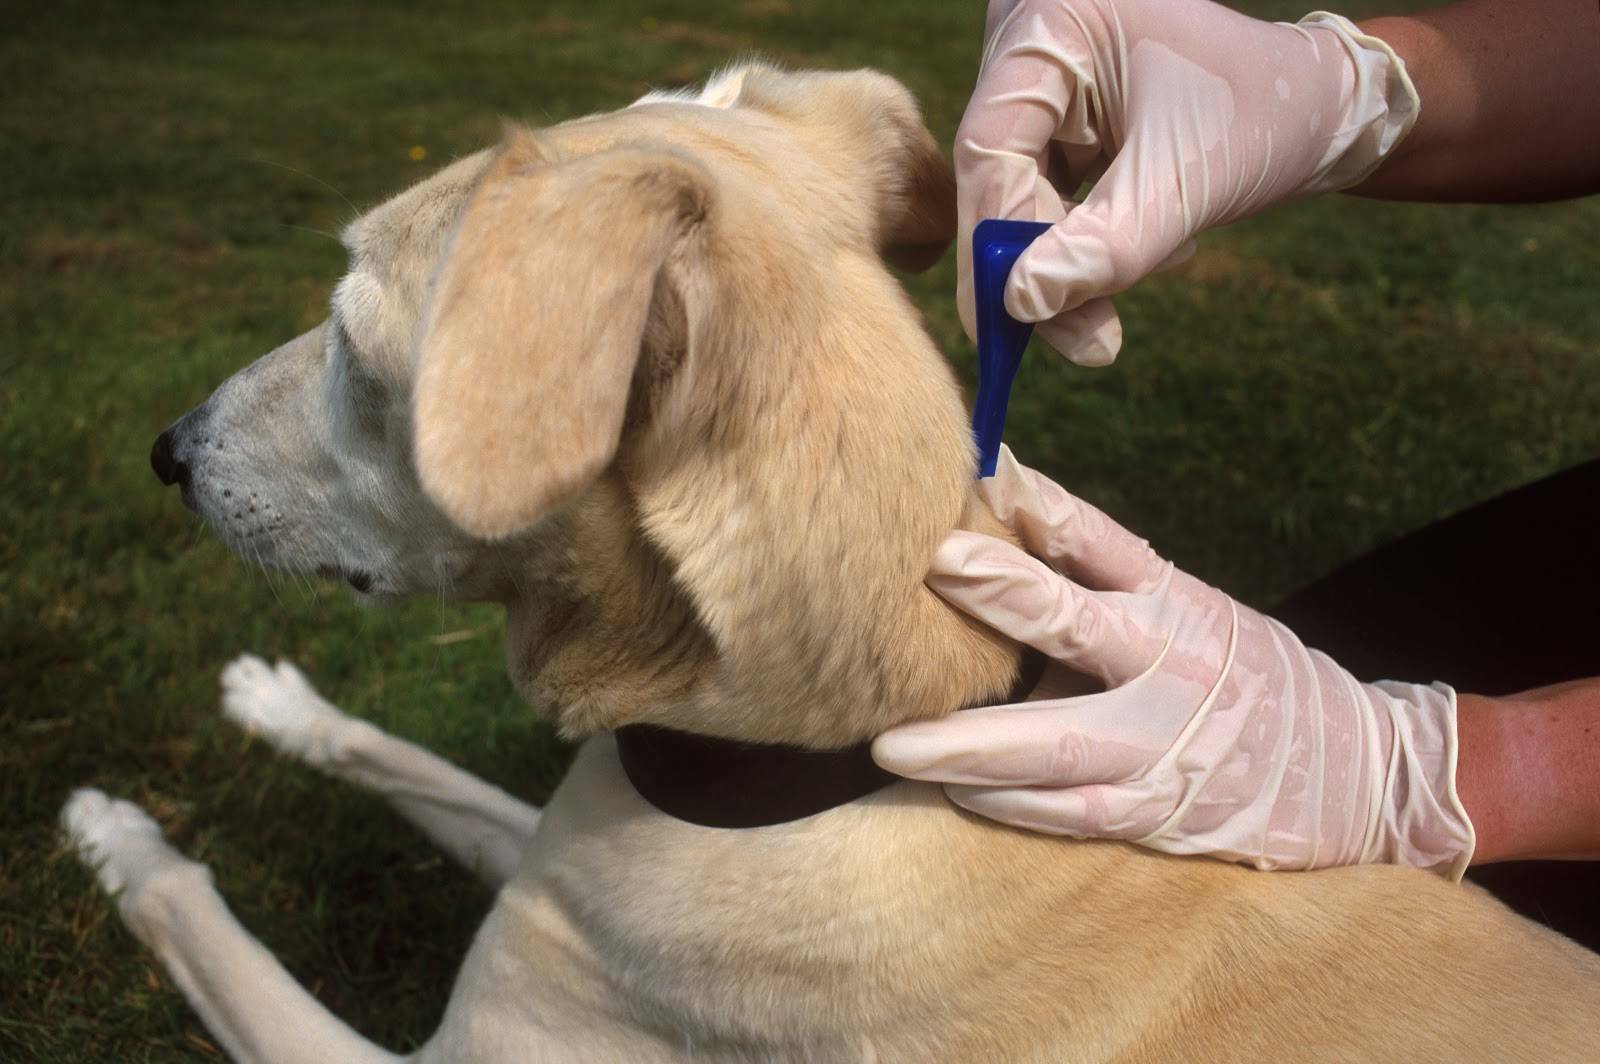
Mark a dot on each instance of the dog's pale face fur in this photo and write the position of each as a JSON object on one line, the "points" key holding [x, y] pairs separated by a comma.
{"points": [[645, 379]]}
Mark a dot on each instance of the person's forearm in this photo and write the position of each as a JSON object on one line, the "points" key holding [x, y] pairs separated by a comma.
{"points": [[1510, 93], [1529, 772]]}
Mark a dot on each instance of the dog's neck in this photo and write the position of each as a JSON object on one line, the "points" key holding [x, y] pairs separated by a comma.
{"points": [[612, 626], [723, 783]]}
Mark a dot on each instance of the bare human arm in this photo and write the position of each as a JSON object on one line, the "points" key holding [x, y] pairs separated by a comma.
{"points": [[1529, 772], [1510, 94]]}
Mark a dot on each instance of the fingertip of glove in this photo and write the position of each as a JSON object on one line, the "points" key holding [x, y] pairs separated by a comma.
{"points": [[908, 750], [952, 555], [1000, 490], [1049, 812], [1090, 335], [1023, 299], [967, 557], [1091, 357], [1090, 351]]}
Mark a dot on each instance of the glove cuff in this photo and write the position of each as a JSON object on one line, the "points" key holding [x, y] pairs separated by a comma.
{"points": [[1422, 821], [1382, 106]]}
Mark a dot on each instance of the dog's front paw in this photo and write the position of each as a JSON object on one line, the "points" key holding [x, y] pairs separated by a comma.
{"points": [[115, 838], [280, 705], [149, 879]]}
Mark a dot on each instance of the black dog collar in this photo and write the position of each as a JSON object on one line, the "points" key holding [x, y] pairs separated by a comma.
{"points": [[723, 783]]}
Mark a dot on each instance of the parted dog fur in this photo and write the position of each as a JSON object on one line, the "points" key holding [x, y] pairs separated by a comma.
{"points": [[645, 379]]}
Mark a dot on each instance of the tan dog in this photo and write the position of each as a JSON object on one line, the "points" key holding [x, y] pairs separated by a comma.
{"points": [[644, 379]]}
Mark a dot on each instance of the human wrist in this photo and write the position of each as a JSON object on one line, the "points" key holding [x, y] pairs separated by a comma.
{"points": [[1498, 77], [1378, 101], [1429, 60], [1528, 772]]}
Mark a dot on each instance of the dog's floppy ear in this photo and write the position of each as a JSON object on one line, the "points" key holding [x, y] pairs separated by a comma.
{"points": [[917, 188], [534, 331]]}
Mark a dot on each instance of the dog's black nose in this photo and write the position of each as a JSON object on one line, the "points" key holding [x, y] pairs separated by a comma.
{"points": [[168, 469]]}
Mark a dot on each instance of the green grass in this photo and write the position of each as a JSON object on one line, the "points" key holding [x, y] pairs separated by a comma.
{"points": [[1320, 380]]}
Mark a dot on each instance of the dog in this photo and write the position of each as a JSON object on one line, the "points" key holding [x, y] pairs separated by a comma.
{"points": [[644, 379]]}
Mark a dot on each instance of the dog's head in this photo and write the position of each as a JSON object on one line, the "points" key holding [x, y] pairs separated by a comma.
{"points": [[644, 378]]}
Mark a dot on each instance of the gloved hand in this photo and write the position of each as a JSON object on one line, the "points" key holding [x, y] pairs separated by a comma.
{"points": [[1197, 116], [1219, 732]]}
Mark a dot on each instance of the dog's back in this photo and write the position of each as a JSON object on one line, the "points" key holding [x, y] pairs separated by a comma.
{"points": [[898, 928]]}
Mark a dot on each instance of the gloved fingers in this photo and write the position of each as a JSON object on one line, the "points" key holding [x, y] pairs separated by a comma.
{"points": [[1076, 538], [1023, 598], [966, 308], [1088, 336], [1034, 86], [1024, 745], [1115, 736], [1103, 811], [1133, 222], [996, 185], [1019, 189], [1024, 96]]}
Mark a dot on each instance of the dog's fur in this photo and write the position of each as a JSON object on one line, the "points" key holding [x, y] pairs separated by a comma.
{"points": [[644, 379]]}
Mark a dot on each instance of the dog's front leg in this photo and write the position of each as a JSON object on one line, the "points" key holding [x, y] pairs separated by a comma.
{"points": [[254, 1007], [476, 823]]}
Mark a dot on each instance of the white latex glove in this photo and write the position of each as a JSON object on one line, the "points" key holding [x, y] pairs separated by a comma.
{"points": [[1191, 115], [1219, 732]]}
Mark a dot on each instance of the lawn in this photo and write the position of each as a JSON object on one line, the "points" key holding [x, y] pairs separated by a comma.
{"points": [[1315, 383]]}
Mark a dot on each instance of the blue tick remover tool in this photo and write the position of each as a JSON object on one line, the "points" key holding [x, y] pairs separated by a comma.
{"points": [[996, 244]]}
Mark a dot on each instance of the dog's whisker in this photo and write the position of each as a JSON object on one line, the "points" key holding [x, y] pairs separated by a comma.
{"points": [[312, 229], [267, 574], [310, 177]]}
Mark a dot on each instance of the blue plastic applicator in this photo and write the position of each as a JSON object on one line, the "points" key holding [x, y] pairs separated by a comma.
{"points": [[996, 244]]}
